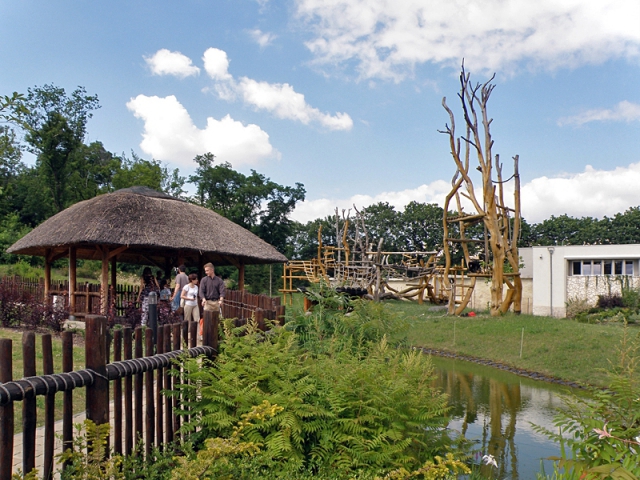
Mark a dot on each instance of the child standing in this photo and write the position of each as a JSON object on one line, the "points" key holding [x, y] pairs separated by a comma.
{"points": [[190, 296]]}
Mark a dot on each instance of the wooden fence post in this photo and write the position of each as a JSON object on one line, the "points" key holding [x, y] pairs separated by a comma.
{"points": [[49, 408], [210, 329], [67, 416], [117, 395], [149, 426], [259, 317], [137, 387], [128, 393], [29, 404], [6, 412], [96, 360]]}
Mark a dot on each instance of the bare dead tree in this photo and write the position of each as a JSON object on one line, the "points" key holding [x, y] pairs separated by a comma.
{"points": [[501, 223]]}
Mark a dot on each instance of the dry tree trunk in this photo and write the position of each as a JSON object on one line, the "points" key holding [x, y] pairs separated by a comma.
{"points": [[493, 211]]}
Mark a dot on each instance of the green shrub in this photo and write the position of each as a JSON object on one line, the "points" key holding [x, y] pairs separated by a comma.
{"points": [[23, 269], [610, 301], [576, 306], [350, 324], [631, 298]]}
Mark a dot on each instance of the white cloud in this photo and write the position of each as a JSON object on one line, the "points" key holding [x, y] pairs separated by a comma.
{"points": [[387, 39], [165, 62], [263, 39], [170, 135], [278, 98], [216, 64], [592, 193], [284, 102], [624, 111]]}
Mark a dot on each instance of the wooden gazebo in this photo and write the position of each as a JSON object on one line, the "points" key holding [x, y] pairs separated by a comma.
{"points": [[142, 226]]}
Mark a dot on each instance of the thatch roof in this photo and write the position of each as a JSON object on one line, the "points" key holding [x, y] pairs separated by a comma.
{"points": [[153, 226]]}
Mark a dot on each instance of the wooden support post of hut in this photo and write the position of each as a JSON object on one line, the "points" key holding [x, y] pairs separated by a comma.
{"points": [[47, 274], [241, 276], [73, 286], [104, 281]]}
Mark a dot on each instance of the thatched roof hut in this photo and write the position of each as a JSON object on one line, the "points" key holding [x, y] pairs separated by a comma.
{"points": [[142, 226], [152, 226]]}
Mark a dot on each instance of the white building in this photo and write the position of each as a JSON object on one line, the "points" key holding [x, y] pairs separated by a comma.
{"points": [[562, 273]]}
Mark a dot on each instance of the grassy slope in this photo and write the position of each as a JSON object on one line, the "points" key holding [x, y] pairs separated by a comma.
{"points": [[558, 347]]}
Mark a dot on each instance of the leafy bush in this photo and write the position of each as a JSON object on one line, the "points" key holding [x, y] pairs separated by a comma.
{"points": [[348, 322], [602, 433], [612, 315], [631, 298], [347, 411], [610, 301], [576, 306], [23, 269], [19, 308], [99, 462]]}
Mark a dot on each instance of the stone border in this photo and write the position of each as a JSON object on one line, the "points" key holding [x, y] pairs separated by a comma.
{"points": [[490, 363]]}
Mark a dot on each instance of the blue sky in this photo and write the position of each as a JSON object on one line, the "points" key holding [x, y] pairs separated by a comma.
{"points": [[345, 96]]}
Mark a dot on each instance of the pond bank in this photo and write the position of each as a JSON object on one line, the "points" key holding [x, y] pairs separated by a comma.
{"points": [[508, 368]]}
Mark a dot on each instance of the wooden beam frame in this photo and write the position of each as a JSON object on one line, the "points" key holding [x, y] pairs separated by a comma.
{"points": [[73, 279]]}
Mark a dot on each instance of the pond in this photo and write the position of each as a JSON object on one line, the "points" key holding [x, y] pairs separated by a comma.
{"points": [[495, 409]]}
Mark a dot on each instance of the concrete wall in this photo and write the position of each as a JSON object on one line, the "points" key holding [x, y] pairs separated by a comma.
{"points": [[481, 296], [590, 287], [553, 284]]}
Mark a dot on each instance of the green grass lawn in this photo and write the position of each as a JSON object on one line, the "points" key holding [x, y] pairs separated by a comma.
{"points": [[561, 348]]}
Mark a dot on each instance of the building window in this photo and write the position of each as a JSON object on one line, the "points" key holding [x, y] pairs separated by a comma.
{"points": [[602, 267]]}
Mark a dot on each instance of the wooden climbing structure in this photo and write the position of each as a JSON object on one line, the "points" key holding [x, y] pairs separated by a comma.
{"points": [[489, 251]]}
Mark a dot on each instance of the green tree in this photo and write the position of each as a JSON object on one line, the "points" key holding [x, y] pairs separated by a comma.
{"points": [[29, 197], [566, 230], [10, 165], [13, 108], [253, 202], [76, 108], [56, 143], [302, 243], [55, 125], [91, 172], [147, 173], [382, 221], [623, 228], [421, 227]]}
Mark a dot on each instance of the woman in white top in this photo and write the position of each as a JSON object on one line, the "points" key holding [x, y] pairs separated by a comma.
{"points": [[190, 296]]}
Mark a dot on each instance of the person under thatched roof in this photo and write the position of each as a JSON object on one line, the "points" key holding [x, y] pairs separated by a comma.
{"points": [[142, 226]]}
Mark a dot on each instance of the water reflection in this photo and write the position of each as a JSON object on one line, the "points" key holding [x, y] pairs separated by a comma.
{"points": [[495, 408]]}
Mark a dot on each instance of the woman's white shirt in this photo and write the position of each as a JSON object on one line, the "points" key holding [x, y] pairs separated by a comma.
{"points": [[190, 291]]}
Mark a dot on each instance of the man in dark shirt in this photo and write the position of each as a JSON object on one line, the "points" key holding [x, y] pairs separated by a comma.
{"points": [[211, 290]]}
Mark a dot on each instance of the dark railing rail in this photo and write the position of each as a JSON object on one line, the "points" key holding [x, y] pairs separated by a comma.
{"points": [[143, 375]]}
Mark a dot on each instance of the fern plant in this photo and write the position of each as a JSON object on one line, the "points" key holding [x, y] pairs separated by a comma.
{"points": [[367, 408]]}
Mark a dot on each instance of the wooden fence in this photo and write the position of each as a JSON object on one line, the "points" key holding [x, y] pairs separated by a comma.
{"points": [[238, 304], [140, 410], [241, 305]]}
